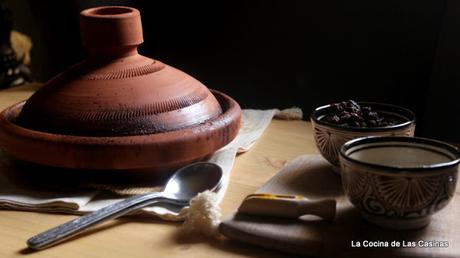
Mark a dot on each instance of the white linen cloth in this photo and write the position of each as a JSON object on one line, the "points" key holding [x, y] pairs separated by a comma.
{"points": [[16, 197]]}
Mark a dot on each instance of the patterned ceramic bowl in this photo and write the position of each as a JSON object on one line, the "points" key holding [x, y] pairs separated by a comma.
{"points": [[399, 182], [330, 137]]}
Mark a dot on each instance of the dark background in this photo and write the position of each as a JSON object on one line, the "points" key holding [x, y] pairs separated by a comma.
{"points": [[279, 54]]}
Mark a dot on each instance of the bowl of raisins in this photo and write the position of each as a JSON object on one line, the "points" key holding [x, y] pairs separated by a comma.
{"points": [[337, 123]]}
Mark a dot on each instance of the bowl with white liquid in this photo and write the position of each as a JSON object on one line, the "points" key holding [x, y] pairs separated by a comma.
{"points": [[399, 182]]}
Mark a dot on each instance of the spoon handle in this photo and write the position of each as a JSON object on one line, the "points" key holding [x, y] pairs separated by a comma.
{"points": [[78, 225]]}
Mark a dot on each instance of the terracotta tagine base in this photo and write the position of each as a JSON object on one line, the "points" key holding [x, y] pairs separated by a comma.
{"points": [[160, 152], [119, 110]]}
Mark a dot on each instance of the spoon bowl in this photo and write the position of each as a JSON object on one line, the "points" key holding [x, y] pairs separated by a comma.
{"points": [[185, 184], [190, 180]]}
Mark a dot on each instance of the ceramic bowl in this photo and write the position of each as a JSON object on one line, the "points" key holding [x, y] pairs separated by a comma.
{"points": [[330, 137], [399, 182]]}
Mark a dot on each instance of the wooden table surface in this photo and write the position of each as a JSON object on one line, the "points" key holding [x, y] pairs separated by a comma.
{"points": [[150, 237]]}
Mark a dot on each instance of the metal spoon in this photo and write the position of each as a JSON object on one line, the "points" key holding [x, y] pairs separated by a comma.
{"points": [[185, 184]]}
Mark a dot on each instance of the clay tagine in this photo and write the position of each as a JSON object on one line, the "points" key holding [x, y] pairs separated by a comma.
{"points": [[118, 109]]}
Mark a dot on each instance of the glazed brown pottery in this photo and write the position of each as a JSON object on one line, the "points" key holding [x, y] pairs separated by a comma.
{"points": [[119, 109]]}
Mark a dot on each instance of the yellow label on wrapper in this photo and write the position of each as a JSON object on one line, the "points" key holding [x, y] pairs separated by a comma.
{"points": [[273, 196]]}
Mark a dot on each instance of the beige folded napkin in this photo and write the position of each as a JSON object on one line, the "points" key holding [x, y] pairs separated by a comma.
{"points": [[18, 196]]}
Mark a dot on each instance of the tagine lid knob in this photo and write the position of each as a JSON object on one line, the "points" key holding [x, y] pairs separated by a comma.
{"points": [[110, 27]]}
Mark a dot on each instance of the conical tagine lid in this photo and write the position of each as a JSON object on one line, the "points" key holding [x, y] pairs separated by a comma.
{"points": [[116, 91]]}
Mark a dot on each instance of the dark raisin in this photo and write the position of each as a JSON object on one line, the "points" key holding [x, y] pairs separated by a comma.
{"points": [[336, 108], [356, 117], [372, 115], [345, 117], [372, 122], [335, 119], [365, 110], [349, 113], [355, 124]]}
